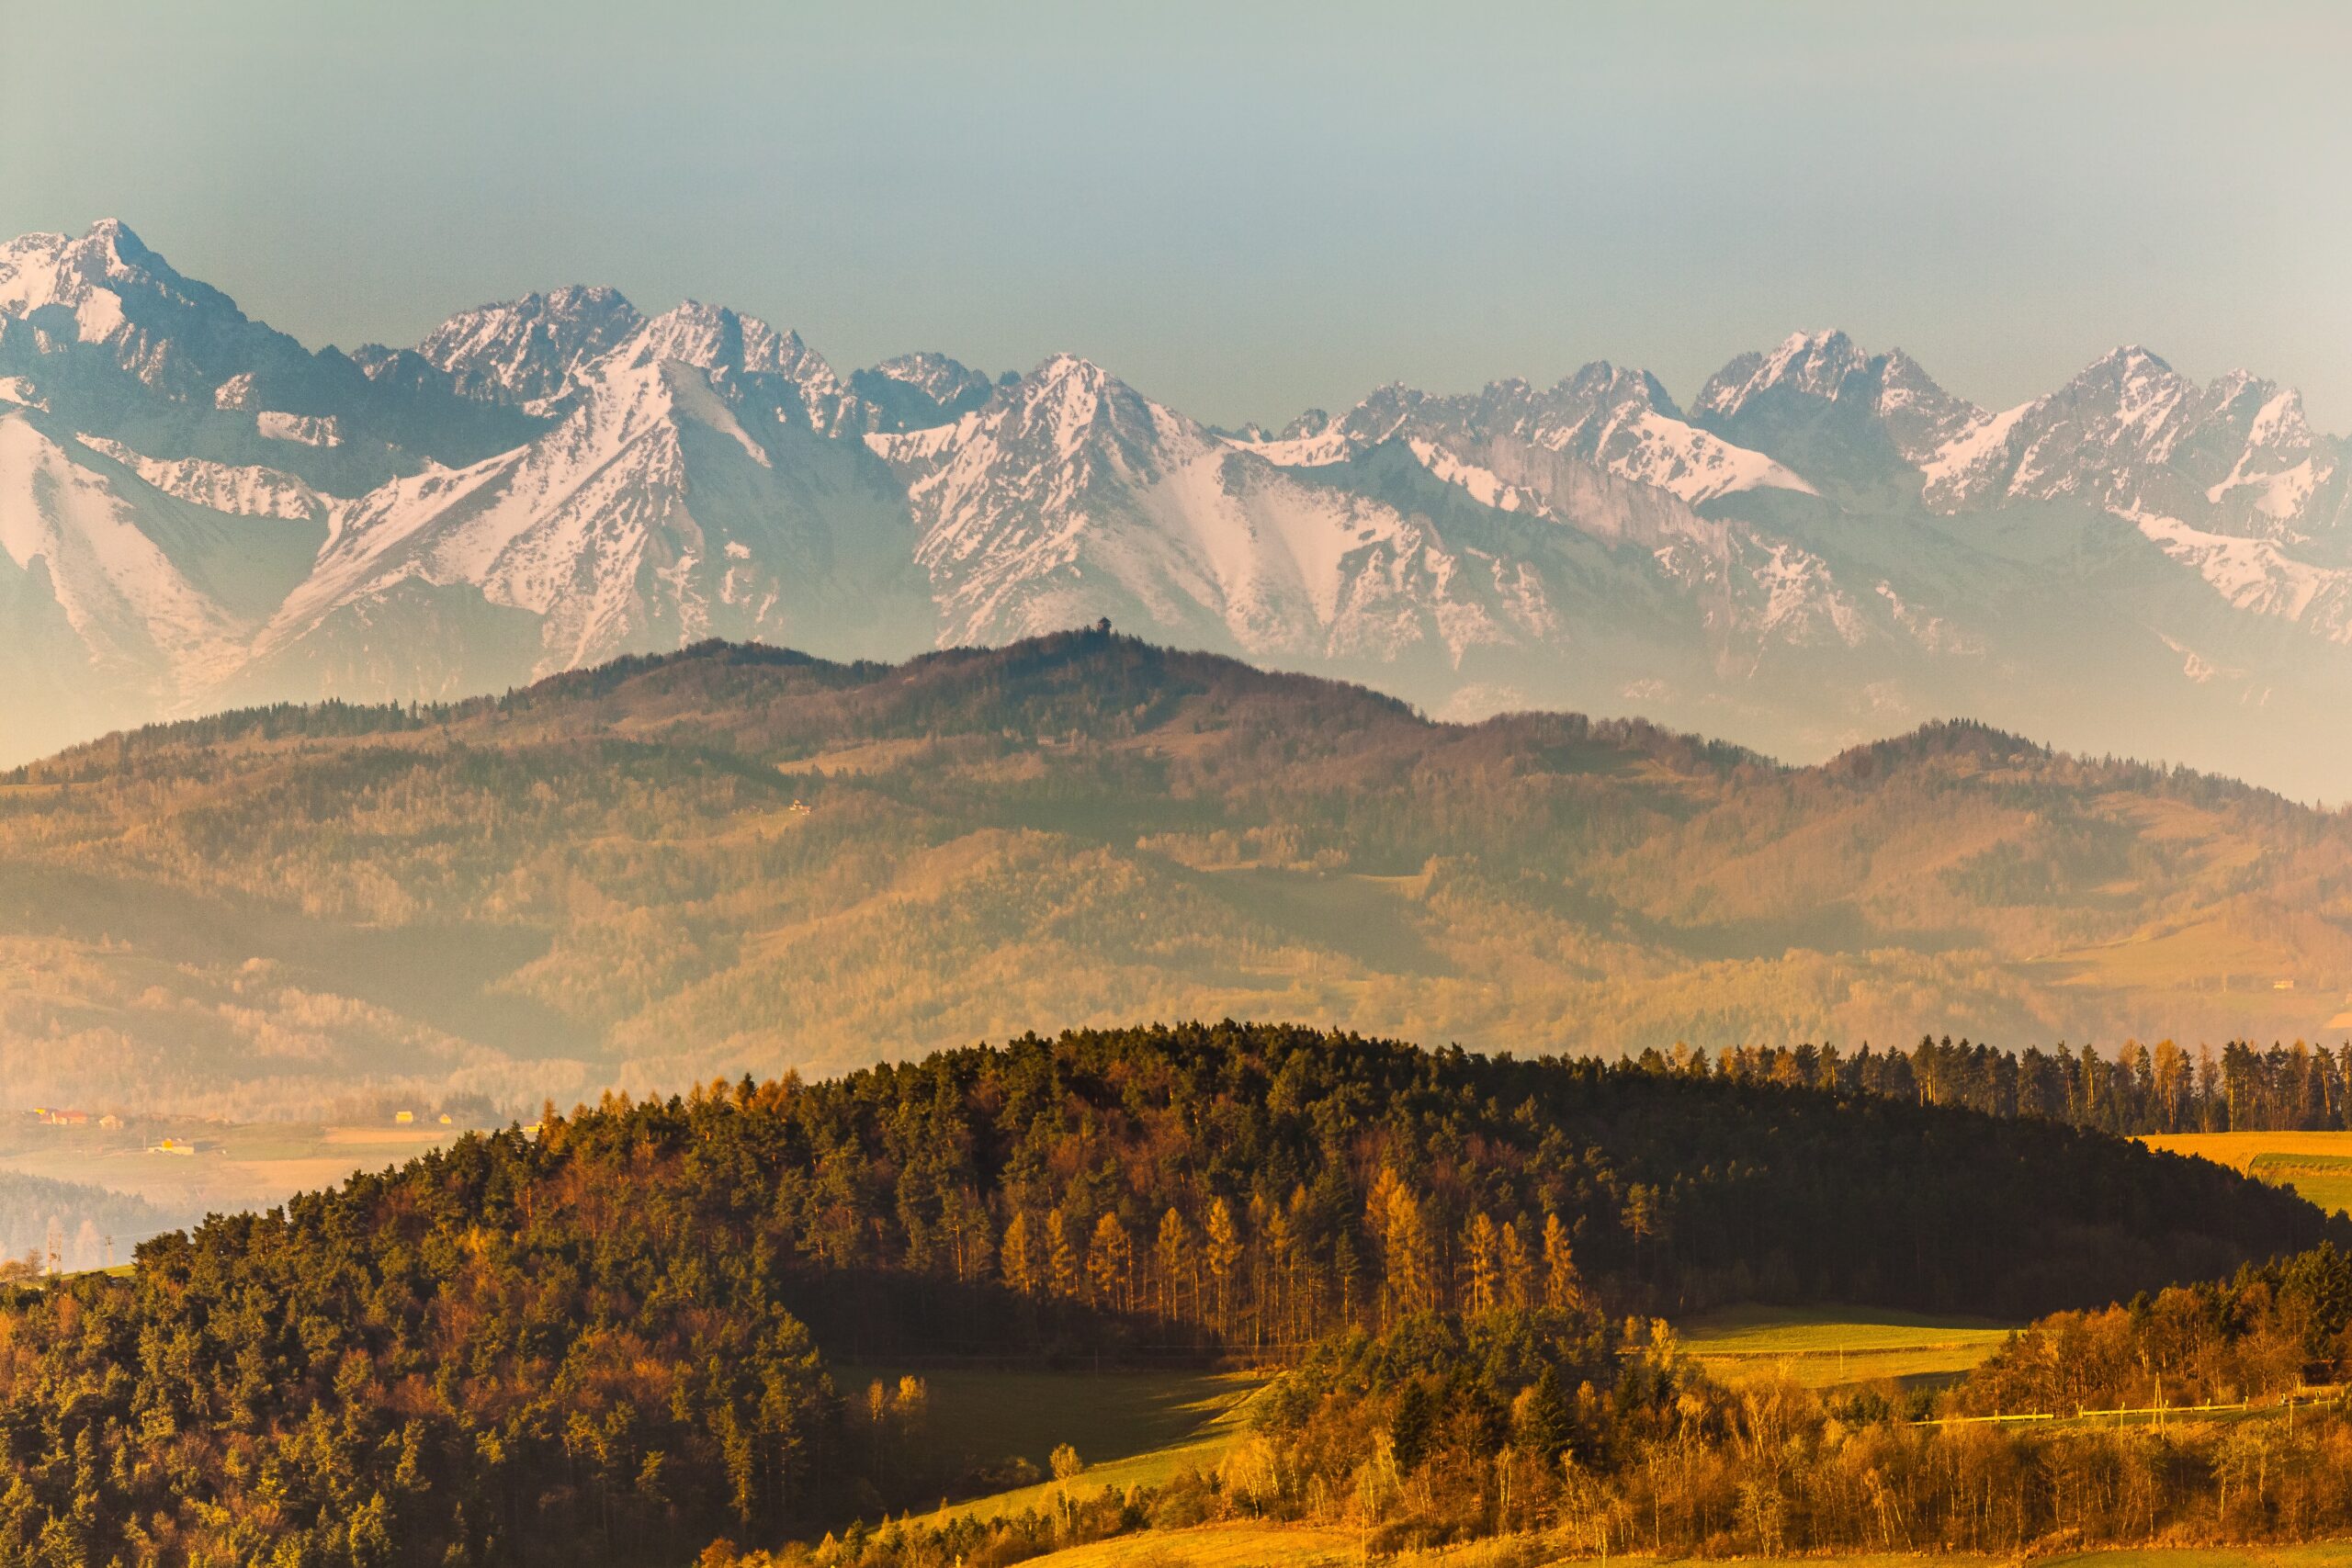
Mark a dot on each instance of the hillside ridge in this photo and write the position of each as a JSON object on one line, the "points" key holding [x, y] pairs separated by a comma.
{"points": [[747, 859]]}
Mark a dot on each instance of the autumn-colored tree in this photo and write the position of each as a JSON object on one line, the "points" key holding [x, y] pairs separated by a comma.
{"points": [[1171, 1257], [1562, 1286], [1481, 1255], [1110, 1263], [1061, 1257], [1017, 1256], [1517, 1268], [1221, 1250], [1408, 1262]]}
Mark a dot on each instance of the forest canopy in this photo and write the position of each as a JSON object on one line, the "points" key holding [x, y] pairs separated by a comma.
{"points": [[609, 1330]]}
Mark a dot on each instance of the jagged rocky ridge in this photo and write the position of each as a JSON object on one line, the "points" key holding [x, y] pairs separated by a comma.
{"points": [[1824, 545]]}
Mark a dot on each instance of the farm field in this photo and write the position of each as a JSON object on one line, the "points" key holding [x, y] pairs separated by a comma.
{"points": [[1130, 1428], [1828, 1346], [2318, 1166], [234, 1165], [1244, 1546], [1214, 1546]]}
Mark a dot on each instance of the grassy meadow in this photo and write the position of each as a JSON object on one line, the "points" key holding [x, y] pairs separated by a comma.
{"points": [[2318, 1166], [1130, 1428], [1248, 1546], [1830, 1346]]}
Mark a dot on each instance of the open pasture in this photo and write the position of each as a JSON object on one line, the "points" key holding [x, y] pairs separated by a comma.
{"points": [[1830, 1346], [1129, 1428], [1258, 1545], [2318, 1166]]}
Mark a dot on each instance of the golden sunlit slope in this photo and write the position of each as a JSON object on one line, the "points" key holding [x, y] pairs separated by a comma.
{"points": [[737, 859]]}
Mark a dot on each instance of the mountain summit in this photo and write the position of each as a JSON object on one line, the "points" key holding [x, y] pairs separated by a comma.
{"points": [[1825, 547]]}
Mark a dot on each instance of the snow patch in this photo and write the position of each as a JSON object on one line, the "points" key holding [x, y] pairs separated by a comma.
{"points": [[1946, 474], [308, 429], [2252, 574], [241, 491]]}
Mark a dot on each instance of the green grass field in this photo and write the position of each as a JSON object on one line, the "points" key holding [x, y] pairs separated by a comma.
{"points": [[1258, 1545], [2318, 1166], [1130, 1428], [1213, 1546], [2325, 1179], [1830, 1347], [1141, 1428]]}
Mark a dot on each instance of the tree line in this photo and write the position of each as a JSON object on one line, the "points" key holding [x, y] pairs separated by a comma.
{"points": [[2138, 1088]]}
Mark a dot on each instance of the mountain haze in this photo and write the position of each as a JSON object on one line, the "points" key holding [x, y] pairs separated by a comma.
{"points": [[740, 859], [1823, 548]]}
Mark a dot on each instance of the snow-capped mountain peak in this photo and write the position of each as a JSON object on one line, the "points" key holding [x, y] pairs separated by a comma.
{"points": [[745, 353], [199, 509], [106, 291], [38, 270], [1615, 418], [1814, 364], [526, 351]]}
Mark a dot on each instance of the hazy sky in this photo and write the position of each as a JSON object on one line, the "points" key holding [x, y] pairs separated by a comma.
{"points": [[1244, 209]]}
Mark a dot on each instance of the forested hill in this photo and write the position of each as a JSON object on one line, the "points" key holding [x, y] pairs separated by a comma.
{"points": [[740, 859], [585, 1343]]}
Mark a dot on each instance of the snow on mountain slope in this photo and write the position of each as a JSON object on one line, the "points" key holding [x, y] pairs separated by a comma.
{"points": [[1621, 421], [1317, 440], [2131, 434], [104, 298], [211, 511], [2256, 575], [2227, 480], [103, 332], [914, 391], [791, 378], [676, 500], [106, 291], [1812, 364], [526, 351], [246, 490], [158, 592], [1756, 591], [1072, 495], [1859, 424]]}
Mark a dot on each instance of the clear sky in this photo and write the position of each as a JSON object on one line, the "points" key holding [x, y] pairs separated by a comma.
{"points": [[1241, 209]]}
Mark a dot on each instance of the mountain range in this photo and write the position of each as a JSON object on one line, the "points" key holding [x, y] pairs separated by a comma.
{"points": [[1823, 546]]}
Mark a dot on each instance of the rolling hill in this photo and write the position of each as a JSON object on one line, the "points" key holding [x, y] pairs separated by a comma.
{"points": [[737, 858]]}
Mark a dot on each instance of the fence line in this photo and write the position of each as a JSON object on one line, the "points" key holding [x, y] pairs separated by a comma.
{"points": [[2307, 1397]]}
